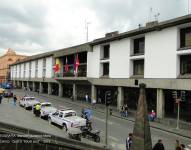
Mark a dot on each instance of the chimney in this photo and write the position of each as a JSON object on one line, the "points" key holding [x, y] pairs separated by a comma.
{"points": [[111, 34], [151, 24]]}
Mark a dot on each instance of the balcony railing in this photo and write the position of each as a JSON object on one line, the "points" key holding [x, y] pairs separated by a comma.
{"points": [[81, 71]]}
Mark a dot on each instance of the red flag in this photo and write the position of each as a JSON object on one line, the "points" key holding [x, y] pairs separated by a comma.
{"points": [[56, 68], [66, 65], [77, 63]]}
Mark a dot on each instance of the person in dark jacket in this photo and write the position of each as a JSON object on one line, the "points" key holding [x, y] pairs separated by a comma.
{"points": [[159, 145], [1, 98]]}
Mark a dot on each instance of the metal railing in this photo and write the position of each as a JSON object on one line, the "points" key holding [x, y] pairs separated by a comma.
{"points": [[49, 141]]}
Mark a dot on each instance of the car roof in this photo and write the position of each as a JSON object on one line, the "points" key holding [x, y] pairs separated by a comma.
{"points": [[67, 111], [28, 97], [46, 103]]}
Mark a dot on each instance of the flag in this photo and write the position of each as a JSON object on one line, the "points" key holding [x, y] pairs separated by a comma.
{"points": [[66, 65], [56, 67], [76, 64]]}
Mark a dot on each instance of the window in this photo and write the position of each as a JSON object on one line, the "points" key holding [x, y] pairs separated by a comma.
{"points": [[30, 68], [105, 69], [106, 51], [139, 46], [36, 68], [138, 67], [24, 73], [185, 37], [44, 68], [185, 64]]}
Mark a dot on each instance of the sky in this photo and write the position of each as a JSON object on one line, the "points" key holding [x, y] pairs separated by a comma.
{"points": [[35, 26]]}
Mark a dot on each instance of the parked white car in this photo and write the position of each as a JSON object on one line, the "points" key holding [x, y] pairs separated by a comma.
{"points": [[66, 118], [28, 102], [46, 109]]}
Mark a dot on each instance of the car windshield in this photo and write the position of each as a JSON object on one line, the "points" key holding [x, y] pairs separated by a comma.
{"points": [[70, 114], [46, 105]]}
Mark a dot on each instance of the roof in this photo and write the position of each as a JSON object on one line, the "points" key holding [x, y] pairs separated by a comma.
{"points": [[142, 30], [58, 53]]}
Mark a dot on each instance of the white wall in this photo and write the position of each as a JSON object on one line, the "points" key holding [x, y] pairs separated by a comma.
{"points": [[93, 62], [27, 70], [17, 71], [160, 54], [49, 66], [119, 59], [32, 69], [40, 61], [22, 69]]}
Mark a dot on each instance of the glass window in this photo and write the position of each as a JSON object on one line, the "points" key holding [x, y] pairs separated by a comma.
{"points": [[106, 51], [185, 37], [138, 67], [185, 64], [105, 69], [139, 45]]}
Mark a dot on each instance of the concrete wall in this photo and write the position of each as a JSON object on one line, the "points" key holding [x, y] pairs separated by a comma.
{"points": [[119, 59], [160, 54], [40, 64], [49, 66], [33, 69], [93, 63]]}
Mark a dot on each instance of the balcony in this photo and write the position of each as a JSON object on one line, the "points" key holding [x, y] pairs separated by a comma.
{"points": [[82, 71]]}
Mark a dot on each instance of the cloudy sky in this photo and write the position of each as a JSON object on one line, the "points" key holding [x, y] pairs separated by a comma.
{"points": [[36, 26]]}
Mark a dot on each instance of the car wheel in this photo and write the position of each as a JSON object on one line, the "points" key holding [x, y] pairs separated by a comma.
{"points": [[65, 127], [97, 139]]}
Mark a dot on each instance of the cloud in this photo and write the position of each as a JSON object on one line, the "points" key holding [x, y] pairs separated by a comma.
{"points": [[43, 25], [23, 25]]}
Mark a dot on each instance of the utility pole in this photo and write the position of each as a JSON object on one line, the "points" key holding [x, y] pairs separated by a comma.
{"points": [[87, 28]]}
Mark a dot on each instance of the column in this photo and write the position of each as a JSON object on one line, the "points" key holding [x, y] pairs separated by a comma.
{"points": [[60, 94], [93, 92], [120, 97], [23, 86], [160, 104], [28, 86], [40, 87], [74, 92], [49, 88], [33, 86]]}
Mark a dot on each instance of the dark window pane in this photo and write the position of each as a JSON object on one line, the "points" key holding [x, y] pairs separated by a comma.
{"points": [[138, 67], [139, 45], [106, 51], [185, 37], [106, 69], [185, 64]]}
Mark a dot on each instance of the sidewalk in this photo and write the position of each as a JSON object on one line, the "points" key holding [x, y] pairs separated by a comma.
{"points": [[166, 125]]}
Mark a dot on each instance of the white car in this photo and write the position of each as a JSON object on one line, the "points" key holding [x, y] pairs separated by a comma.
{"points": [[66, 118], [46, 108], [28, 102]]}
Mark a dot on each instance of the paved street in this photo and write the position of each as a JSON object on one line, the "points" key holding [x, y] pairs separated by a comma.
{"points": [[118, 128]]}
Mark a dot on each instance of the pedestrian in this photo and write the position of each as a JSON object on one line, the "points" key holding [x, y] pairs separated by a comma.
{"points": [[122, 111], [1, 98], [93, 103], [126, 110], [159, 145], [152, 115], [129, 141], [177, 146], [86, 97], [14, 100]]}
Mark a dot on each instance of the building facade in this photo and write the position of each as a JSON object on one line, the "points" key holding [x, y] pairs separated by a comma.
{"points": [[158, 55], [5, 61]]}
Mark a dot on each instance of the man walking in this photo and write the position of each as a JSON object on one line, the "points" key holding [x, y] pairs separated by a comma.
{"points": [[1, 98], [129, 141], [14, 100], [159, 145]]}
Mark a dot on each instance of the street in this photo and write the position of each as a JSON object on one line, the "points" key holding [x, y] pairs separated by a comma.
{"points": [[118, 128]]}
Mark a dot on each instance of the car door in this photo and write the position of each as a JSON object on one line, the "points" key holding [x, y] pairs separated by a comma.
{"points": [[59, 119], [54, 117]]}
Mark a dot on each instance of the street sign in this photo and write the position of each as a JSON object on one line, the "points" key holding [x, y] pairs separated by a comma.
{"points": [[108, 98]]}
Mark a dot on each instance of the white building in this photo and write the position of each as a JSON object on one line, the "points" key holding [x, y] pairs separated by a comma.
{"points": [[158, 55]]}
